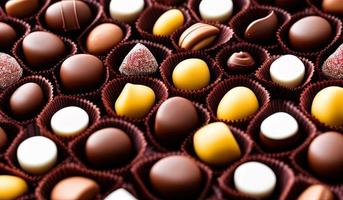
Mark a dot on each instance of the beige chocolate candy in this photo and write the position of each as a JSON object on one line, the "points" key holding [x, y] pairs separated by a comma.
{"points": [[316, 192]]}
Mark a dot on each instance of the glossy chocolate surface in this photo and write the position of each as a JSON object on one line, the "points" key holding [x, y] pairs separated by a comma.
{"points": [[8, 36]]}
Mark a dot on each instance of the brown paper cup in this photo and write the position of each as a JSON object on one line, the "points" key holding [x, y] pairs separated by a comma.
{"points": [[278, 91], [283, 173], [169, 64], [59, 102], [215, 96], [106, 181], [306, 128], [140, 172], [307, 97], [112, 90], [12, 130], [291, 6], [169, 2], [7, 93], [204, 118]]}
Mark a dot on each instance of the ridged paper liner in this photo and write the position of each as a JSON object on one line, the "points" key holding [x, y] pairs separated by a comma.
{"points": [[117, 55], [306, 128], [243, 140], [30, 131], [169, 64], [112, 90], [238, 7], [240, 22], [141, 169], [317, 5], [259, 54], [107, 182], [278, 91], [306, 99], [12, 130], [282, 34], [302, 183], [77, 147], [7, 93], [284, 174], [204, 118], [169, 2], [290, 6], [216, 95], [59, 102], [223, 38]]}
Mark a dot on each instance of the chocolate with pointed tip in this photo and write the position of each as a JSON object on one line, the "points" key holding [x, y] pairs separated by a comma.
{"points": [[241, 61]]}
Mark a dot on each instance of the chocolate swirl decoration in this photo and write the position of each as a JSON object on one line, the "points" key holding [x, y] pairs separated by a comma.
{"points": [[241, 61]]}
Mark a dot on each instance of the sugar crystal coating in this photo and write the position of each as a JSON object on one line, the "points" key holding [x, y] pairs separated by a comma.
{"points": [[10, 70], [333, 65]]}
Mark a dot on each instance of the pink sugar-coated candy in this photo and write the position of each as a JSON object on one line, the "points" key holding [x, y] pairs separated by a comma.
{"points": [[10, 70], [333, 66], [139, 61]]}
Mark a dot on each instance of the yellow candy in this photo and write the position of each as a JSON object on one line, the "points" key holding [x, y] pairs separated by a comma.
{"points": [[238, 103], [135, 101], [12, 187], [215, 145], [327, 106], [168, 22], [191, 74]]}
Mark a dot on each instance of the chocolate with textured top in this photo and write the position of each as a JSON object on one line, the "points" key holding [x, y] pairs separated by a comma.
{"points": [[3, 139], [22, 8], [8, 36], [10, 70], [333, 65], [241, 61]]}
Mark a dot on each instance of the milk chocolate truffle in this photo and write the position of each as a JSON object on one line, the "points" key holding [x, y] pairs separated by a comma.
{"points": [[42, 48], [333, 65], [241, 61], [108, 147], [81, 72], [103, 38], [3, 139], [8, 36], [68, 15], [316, 192], [75, 187], [175, 118], [176, 177], [216, 10], [325, 156], [22, 8], [12, 187], [310, 33], [126, 11], [26, 100], [168, 22], [263, 29], [10, 70], [333, 6]]}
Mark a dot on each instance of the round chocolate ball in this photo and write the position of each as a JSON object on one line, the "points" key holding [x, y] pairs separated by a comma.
{"points": [[3, 139], [8, 36], [10, 70], [81, 72], [107, 147], [176, 177], [22, 8]]}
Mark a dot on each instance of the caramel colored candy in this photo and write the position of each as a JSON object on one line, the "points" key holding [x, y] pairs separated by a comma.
{"points": [[316, 192], [168, 22], [21, 8], [333, 6], [135, 101], [215, 145], [12, 187]]}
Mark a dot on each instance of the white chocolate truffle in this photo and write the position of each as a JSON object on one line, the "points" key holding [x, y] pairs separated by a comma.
{"points": [[126, 10], [279, 126], [216, 10], [120, 194]]}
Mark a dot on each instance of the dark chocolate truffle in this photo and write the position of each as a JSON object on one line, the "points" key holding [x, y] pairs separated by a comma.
{"points": [[42, 48], [175, 118], [333, 65], [22, 8], [310, 33], [7, 36], [325, 156], [3, 139], [176, 177], [107, 147], [241, 61], [26, 100], [81, 72], [68, 15], [10, 70]]}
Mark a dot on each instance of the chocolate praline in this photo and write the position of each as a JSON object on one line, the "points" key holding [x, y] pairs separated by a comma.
{"points": [[8, 36], [241, 61], [333, 65], [10, 70]]}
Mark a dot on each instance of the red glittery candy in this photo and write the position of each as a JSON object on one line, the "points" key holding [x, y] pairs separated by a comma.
{"points": [[10, 70], [333, 66], [139, 61]]}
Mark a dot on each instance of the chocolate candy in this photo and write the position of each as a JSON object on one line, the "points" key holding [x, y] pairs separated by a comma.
{"points": [[198, 36], [139, 61], [175, 118], [75, 187], [217, 10], [191, 74], [316, 192], [8, 36], [120, 193], [320, 29], [10, 70], [238, 103], [263, 29], [42, 48], [37, 154], [333, 65], [3, 139], [241, 61], [22, 8], [325, 156], [126, 11], [81, 72], [326, 106], [103, 38], [333, 6], [184, 182], [108, 147], [12, 187], [168, 22], [26, 100], [68, 15]]}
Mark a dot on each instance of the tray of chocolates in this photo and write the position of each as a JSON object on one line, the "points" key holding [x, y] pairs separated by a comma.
{"points": [[171, 99]]}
